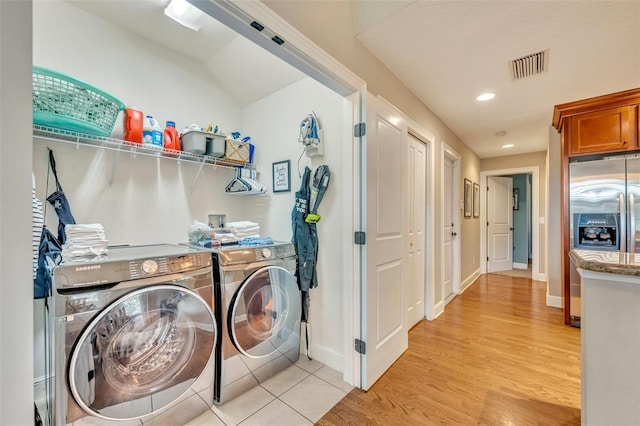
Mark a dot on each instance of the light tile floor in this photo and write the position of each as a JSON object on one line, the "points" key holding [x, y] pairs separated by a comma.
{"points": [[299, 395]]}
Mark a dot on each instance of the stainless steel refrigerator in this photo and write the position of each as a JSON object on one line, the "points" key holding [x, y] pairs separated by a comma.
{"points": [[604, 213]]}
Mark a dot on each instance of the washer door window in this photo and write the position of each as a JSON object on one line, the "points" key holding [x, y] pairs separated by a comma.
{"points": [[264, 314], [142, 352]]}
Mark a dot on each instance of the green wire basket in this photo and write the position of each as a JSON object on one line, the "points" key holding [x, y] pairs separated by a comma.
{"points": [[64, 102]]}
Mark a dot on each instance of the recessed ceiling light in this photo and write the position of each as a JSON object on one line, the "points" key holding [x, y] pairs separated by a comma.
{"points": [[501, 133], [509, 145], [486, 96]]}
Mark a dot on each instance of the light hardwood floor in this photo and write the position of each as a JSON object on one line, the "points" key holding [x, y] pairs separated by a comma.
{"points": [[497, 356]]}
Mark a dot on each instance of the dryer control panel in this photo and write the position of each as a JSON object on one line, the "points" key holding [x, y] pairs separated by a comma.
{"points": [[239, 255]]}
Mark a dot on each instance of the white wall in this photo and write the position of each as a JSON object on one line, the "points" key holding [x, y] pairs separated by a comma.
{"points": [[149, 200], [283, 111], [16, 282]]}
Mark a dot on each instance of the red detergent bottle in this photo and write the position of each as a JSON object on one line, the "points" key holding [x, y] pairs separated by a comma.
{"points": [[171, 139]]}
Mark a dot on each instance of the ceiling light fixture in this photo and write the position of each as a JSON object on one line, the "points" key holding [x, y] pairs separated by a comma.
{"points": [[486, 96], [185, 14], [509, 145]]}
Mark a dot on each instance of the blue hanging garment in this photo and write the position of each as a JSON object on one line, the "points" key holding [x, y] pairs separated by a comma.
{"points": [[49, 255], [305, 239], [59, 201]]}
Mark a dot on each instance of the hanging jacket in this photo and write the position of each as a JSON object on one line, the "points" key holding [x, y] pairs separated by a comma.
{"points": [[59, 201], [305, 237]]}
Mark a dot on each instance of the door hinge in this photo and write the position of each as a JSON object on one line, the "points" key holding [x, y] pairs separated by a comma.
{"points": [[487, 258], [360, 238], [360, 130], [361, 347], [487, 223]]}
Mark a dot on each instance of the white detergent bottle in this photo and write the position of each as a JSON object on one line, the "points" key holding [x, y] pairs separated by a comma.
{"points": [[152, 133]]}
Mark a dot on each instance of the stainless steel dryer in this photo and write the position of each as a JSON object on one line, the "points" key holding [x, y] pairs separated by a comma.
{"points": [[258, 316], [133, 331]]}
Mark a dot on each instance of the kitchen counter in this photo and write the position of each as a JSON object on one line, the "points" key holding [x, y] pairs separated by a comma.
{"points": [[610, 336], [611, 262]]}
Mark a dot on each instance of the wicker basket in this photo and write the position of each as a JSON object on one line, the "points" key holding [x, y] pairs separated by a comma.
{"points": [[63, 102]]}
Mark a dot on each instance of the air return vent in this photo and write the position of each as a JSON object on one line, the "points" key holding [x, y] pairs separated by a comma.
{"points": [[529, 65]]}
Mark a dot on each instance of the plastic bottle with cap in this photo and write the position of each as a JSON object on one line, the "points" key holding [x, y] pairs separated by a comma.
{"points": [[171, 139], [152, 135]]}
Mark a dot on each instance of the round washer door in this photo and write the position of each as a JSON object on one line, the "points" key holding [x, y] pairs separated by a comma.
{"points": [[142, 352], [264, 314]]}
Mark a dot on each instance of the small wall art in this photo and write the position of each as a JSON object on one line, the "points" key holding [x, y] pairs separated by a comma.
{"points": [[476, 200], [468, 198], [282, 176]]}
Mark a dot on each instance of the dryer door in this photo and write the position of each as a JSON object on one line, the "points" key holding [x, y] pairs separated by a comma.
{"points": [[264, 314], [142, 352]]}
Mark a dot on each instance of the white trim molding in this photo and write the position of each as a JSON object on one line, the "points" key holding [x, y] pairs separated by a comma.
{"points": [[469, 280], [554, 301]]}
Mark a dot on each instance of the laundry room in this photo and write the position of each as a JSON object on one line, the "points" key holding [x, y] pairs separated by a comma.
{"points": [[154, 199]]}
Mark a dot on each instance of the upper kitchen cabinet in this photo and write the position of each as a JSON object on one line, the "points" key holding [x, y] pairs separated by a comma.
{"points": [[608, 130], [600, 125]]}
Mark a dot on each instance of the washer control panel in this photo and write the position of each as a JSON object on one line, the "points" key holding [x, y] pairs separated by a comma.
{"points": [[162, 265]]}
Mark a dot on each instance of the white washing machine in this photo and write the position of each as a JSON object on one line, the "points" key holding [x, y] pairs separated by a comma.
{"points": [[133, 331], [258, 315]]}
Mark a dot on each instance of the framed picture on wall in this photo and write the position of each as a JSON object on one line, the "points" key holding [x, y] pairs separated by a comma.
{"points": [[476, 200], [282, 176], [468, 198]]}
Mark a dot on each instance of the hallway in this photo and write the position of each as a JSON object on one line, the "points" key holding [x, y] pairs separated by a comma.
{"points": [[498, 355]]}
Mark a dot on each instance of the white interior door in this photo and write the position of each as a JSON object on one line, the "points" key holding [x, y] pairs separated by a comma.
{"points": [[448, 231], [417, 219], [499, 224], [384, 325]]}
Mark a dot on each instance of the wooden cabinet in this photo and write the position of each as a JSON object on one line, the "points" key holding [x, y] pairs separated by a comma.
{"points": [[604, 131]]}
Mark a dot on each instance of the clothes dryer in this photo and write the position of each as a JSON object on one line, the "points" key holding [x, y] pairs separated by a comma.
{"points": [[133, 331], [258, 315]]}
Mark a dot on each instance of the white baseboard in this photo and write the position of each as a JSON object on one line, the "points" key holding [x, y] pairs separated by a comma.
{"points": [[438, 309], [520, 265], [320, 353], [539, 277], [469, 280], [554, 301]]}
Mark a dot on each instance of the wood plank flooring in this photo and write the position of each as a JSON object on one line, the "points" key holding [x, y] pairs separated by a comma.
{"points": [[497, 356]]}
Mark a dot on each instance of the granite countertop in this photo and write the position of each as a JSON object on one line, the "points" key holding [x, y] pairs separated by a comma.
{"points": [[612, 262]]}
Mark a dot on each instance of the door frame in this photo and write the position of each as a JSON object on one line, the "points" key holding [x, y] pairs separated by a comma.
{"points": [[447, 152], [309, 58], [428, 140], [535, 213]]}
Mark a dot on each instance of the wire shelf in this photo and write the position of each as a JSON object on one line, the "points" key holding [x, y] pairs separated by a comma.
{"points": [[60, 135]]}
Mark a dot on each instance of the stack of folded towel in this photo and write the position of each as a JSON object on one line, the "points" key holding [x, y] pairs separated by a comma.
{"points": [[244, 229], [84, 240]]}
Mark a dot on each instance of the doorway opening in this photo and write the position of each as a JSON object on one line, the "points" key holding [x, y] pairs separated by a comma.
{"points": [[526, 218]]}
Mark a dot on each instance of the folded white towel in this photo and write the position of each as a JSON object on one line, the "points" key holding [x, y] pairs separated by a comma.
{"points": [[84, 240], [242, 224]]}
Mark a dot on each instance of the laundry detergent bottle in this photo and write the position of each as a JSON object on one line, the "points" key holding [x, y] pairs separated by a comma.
{"points": [[152, 135], [133, 124], [171, 139]]}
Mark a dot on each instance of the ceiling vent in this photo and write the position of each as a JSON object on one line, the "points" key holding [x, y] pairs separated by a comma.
{"points": [[529, 65]]}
